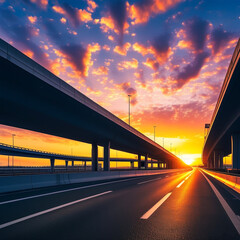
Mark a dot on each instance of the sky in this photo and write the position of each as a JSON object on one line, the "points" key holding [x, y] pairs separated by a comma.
{"points": [[171, 56]]}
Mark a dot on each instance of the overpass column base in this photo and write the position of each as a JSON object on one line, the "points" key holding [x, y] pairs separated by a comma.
{"points": [[132, 164], [221, 155], [66, 164], [52, 161], [159, 165], [72, 163], [146, 161], [215, 160], [235, 149], [106, 156], [94, 158], [139, 161]]}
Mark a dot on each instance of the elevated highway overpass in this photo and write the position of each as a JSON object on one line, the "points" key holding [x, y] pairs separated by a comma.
{"points": [[223, 136], [11, 150], [35, 99]]}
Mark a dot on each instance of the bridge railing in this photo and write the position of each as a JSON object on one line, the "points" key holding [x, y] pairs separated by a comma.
{"points": [[37, 151]]}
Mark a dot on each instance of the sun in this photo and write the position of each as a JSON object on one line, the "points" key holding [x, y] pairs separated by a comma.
{"points": [[188, 158]]}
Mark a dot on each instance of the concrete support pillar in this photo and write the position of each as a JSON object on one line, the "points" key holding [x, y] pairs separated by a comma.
{"points": [[215, 160], [208, 163], [235, 149], [132, 164], [52, 161], [72, 163], [146, 162], [218, 159], [66, 164], [85, 166], [151, 163], [94, 157], [221, 155], [159, 164], [106, 157], [139, 161], [167, 164]]}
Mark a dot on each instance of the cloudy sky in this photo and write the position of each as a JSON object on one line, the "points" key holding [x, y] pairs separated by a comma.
{"points": [[170, 55]]}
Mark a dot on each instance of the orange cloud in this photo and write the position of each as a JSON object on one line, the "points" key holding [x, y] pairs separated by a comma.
{"points": [[75, 15], [128, 64], [107, 23], [142, 11], [101, 71], [106, 47], [84, 16], [95, 47], [32, 19], [111, 38], [122, 50], [141, 49], [184, 44], [28, 53], [40, 3], [161, 55], [91, 6], [63, 20], [58, 9], [152, 63]]}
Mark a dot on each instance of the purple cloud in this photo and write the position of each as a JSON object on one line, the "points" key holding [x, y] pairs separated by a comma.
{"points": [[191, 70], [220, 39], [197, 30]]}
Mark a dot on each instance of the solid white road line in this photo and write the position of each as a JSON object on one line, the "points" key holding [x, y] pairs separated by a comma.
{"points": [[150, 180], [50, 210], [155, 207], [233, 217], [66, 190]]}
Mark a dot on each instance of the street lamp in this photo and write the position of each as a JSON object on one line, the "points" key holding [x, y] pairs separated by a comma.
{"points": [[154, 128], [129, 102], [13, 135]]}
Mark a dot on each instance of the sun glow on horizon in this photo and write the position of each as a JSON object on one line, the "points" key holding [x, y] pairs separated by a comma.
{"points": [[191, 158]]}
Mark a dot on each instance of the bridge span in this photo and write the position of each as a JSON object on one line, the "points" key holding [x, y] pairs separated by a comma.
{"points": [[11, 150], [223, 136], [35, 99]]}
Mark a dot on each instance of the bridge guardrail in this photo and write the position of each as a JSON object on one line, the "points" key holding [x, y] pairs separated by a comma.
{"points": [[229, 180]]}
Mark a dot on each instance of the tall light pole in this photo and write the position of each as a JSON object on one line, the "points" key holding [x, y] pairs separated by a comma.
{"points": [[13, 135], [154, 128], [129, 103]]}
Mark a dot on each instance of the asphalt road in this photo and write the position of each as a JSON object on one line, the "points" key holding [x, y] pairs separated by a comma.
{"points": [[167, 206]]}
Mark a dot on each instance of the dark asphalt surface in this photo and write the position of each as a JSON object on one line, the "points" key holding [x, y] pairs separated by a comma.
{"points": [[191, 212]]}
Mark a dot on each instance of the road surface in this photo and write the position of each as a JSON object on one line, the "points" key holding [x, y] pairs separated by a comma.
{"points": [[167, 206]]}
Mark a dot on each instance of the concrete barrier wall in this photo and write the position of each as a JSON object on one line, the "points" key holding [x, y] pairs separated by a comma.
{"points": [[23, 182], [229, 180]]}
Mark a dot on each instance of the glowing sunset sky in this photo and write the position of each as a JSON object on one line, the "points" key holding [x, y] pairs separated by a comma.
{"points": [[170, 55]]}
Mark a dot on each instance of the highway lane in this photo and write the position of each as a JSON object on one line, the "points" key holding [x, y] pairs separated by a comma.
{"points": [[175, 206]]}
